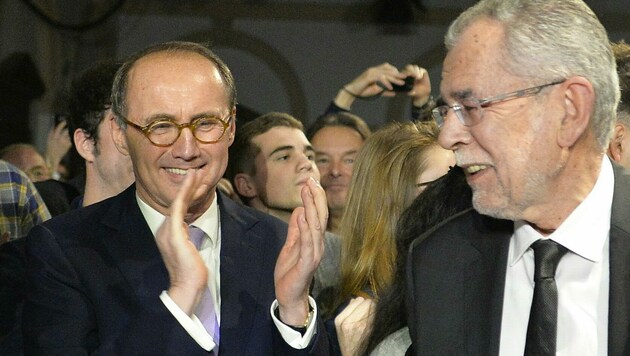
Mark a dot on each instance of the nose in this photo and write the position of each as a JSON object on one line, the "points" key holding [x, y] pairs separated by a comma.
{"points": [[186, 146], [335, 168], [304, 163], [453, 133]]}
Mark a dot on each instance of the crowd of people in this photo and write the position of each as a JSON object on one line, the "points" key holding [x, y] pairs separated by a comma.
{"points": [[492, 222]]}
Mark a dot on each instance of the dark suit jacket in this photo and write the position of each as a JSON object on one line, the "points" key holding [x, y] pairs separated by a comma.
{"points": [[456, 279], [95, 276], [11, 296]]}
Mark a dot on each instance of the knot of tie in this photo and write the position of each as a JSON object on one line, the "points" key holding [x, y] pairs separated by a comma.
{"points": [[547, 255], [196, 236]]}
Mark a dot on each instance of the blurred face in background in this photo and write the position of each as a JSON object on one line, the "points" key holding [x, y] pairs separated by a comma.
{"points": [[29, 161], [336, 148]]}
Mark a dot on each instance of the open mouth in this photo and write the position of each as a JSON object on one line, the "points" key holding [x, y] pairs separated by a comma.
{"points": [[180, 171], [475, 168]]}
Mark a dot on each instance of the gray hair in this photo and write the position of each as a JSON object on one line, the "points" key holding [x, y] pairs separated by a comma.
{"points": [[621, 51], [119, 88], [547, 40]]}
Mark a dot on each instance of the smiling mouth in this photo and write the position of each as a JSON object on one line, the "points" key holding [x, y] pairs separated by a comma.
{"points": [[475, 168], [179, 171]]}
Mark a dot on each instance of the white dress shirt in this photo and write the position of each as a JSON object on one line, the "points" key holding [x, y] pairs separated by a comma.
{"points": [[582, 277], [210, 250]]}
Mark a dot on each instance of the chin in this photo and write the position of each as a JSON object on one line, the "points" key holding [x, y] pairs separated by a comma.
{"points": [[202, 192], [492, 206]]}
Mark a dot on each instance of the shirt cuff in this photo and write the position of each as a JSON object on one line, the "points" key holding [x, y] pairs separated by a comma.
{"points": [[293, 337], [192, 325]]}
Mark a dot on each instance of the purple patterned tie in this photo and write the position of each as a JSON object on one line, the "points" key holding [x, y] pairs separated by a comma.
{"points": [[205, 310]]}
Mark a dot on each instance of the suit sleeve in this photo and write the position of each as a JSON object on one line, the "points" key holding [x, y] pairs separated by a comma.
{"points": [[60, 316]]}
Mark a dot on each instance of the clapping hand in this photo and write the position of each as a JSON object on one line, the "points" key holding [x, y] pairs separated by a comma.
{"points": [[301, 254]]}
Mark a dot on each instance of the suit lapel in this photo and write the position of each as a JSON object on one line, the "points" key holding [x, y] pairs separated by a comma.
{"points": [[241, 273], [619, 295], [132, 247], [485, 286]]}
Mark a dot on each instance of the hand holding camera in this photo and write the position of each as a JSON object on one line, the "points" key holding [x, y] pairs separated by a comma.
{"points": [[421, 88], [386, 80]]}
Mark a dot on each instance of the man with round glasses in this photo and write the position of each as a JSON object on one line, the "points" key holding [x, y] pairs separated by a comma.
{"points": [[540, 265], [169, 266], [164, 132]]}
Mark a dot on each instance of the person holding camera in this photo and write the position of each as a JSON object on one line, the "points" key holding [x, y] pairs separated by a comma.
{"points": [[386, 80], [338, 135]]}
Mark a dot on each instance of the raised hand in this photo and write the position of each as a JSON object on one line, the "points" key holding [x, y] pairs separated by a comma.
{"points": [[421, 90], [374, 80], [57, 145], [187, 272], [301, 254]]}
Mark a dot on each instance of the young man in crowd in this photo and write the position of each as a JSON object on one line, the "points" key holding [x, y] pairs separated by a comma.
{"points": [[270, 162]]}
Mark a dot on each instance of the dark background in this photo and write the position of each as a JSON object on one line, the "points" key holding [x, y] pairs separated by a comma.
{"points": [[287, 56]]}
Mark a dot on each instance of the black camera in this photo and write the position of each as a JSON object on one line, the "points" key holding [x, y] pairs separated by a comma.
{"points": [[401, 87]]}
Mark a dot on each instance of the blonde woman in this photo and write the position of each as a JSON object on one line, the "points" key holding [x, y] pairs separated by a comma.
{"points": [[392, 168]]}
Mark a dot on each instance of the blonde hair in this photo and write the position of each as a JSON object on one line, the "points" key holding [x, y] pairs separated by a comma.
{"points": [[383, 185]]}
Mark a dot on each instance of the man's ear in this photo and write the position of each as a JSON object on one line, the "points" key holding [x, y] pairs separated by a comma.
{"points": [[232, 129], [85, 145], [118, 136], [244, 185], [579, 99], [615, 147]]}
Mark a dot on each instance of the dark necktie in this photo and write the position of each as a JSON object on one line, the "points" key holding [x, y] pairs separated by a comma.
{"points": [[205, 310], [543, 318]]}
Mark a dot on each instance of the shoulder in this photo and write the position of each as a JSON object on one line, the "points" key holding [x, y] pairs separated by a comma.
{"points": [[87, 222], [15, 186], [462, 234], [621, 196]]}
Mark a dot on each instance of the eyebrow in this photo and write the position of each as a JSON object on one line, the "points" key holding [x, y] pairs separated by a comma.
{"points": [[164, 116], [344, 153], [206, 114], [289, 148], [462, 94]]}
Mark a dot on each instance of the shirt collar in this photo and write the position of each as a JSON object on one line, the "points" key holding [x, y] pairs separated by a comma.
{"points": [[585, 230], [208, 222]]}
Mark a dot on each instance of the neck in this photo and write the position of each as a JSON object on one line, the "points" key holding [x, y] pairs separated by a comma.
{"points": [[282, 214], [199, 205], [564, 193], [334, 221], [96, 189]]}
